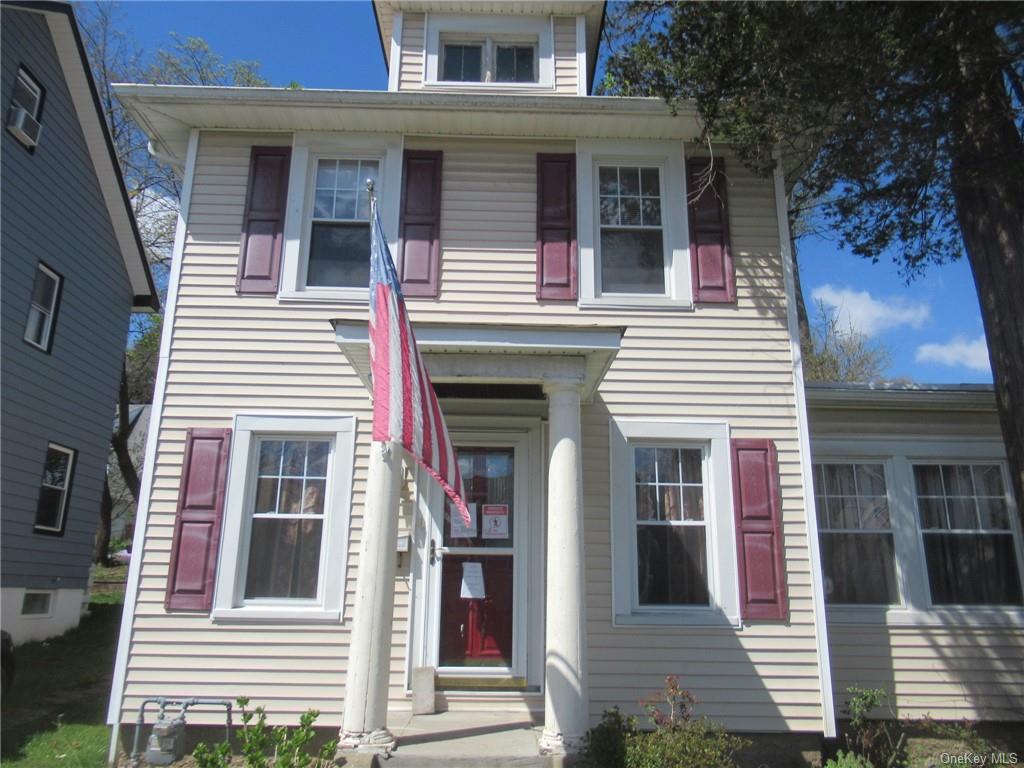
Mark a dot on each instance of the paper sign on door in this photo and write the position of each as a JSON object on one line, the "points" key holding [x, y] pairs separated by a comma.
{"points": [[459, 528], [472, 581], [495, 521]]}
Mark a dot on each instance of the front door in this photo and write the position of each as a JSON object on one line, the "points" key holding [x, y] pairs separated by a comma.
{"points": [[477, 611], [477, 582]]}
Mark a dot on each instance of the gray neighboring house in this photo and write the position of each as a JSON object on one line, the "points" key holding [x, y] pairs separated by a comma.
{"points": [[122, 516], [73, 271]]}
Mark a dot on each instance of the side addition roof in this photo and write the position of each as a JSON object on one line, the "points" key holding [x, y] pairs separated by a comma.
{"points": [[60, 18]]}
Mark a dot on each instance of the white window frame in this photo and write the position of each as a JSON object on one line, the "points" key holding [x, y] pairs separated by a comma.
{"points": [[308, 148], [626, 435], [899, 456], [229, 603], [33, 85], [668, 158], [489, 45], [65, 498], [51, 599], [897, 528], [50, 312], [489, 31]]}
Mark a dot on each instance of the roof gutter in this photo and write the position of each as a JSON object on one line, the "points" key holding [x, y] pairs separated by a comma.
{"points": [[961, 398]]}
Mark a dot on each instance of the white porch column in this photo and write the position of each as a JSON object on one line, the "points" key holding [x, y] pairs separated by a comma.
{"points": [[364, 725], [565, 686]]}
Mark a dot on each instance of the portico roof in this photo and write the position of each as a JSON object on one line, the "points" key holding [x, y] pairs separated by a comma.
{"points": [[521, 354]]}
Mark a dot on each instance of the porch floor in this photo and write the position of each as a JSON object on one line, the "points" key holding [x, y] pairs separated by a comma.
{"points": [[467, 739]]}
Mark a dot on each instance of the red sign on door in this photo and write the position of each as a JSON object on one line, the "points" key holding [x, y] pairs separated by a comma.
{"points": [[495, 521]]}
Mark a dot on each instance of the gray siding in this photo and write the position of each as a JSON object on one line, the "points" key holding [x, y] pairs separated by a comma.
{"points": [[53, 211]]}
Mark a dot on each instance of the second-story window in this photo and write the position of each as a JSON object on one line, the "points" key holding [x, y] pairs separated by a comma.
{"points": [[632, 243], [42, 310], [339, 242], [26, 106], [515, 64]]}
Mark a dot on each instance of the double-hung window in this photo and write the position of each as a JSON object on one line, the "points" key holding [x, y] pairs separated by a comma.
{"points": [[42, 309], [969, 546], [339, 240], [857, 546], [917, 534], [55, 490], [632, 225], [632, 243], [286, 518], [673, 528]]}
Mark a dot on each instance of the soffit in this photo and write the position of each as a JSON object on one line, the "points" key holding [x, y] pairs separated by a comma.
{"points": [[167, 113]]}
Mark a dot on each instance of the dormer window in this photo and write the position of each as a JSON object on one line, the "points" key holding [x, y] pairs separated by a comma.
{"points": [[489, 61]]}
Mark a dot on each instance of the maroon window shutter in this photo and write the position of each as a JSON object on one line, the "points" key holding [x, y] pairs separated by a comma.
{"points": [[714, 278], [197, 525], [757, 498], [259, 263], [556, 227], [419, 231]]}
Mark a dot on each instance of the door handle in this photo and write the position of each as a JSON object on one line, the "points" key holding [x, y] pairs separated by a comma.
{"points": [[436, 552]]}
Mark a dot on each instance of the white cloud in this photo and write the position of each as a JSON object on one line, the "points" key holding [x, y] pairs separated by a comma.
{"points": [[958, 351], [861, 311]]}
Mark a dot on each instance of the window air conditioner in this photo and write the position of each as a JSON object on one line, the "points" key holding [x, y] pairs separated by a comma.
{"points": [[24, 127]]}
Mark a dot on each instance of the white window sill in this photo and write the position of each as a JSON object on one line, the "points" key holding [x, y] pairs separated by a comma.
{"points": [[635, 302], [328, 295], [935, 617], [264, 613], [682, 617]]}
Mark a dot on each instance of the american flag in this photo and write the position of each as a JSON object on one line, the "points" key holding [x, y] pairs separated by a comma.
{"points": [[405, 408]]}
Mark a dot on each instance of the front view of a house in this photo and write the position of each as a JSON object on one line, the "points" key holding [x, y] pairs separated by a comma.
{"points": [[606, 311]]}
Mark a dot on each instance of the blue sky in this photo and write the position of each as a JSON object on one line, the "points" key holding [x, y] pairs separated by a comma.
{"points": [[932, 327]]}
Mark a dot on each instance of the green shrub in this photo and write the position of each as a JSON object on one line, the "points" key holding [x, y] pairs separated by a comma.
{"points": [[848, 760], [696, 743], [677, 741], [882, 742], [604, 745], [266, 747]]}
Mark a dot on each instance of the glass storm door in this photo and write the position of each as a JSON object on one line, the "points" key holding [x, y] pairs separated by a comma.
{"points": [[477, 600]]}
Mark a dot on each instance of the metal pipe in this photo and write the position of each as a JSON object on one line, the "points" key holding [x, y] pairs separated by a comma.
{"points": [[184, 705]]}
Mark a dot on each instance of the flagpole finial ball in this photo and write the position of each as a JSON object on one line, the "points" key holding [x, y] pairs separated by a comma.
{"points": [[369, 185]]}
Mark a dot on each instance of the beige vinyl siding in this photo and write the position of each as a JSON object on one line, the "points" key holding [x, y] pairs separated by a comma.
{"points": [[567, 75], [946, 673], [411, 60], [234, 354]]}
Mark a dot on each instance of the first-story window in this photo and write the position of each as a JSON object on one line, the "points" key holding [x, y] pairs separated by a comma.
{"points": [[671, 534], [42, 310], [632, 241], [969, 545], [339, 241], [286, 518], [857, 547], [286, 538], [673, 526], [54, 489]]}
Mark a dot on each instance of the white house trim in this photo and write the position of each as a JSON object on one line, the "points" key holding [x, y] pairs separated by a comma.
{"points": [[307, 148], [581, 55], [668, 157], [438, 25], [152, 439], [828, 713], [395, 60]]}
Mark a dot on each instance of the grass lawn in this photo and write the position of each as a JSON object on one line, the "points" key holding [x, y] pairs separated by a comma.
{"points": [[55, 712]]}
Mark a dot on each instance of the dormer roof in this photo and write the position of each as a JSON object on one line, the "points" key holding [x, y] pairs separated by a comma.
{"points": [[593, 13]]}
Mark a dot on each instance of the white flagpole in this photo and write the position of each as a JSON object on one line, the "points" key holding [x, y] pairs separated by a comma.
{"points": [[364, 723]]}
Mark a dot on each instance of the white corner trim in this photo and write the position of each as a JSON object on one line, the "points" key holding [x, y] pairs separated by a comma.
{"points": [[152, 439], [395, 60], [581, 55], [828, 713]]}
